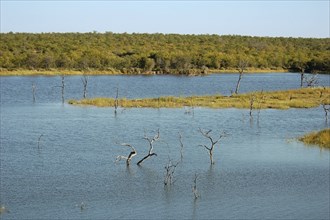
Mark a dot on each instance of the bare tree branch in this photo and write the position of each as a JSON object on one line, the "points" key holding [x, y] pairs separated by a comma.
{"points": [[116, 101], [39, 139], [311, 81], [34, 87], [62, 87], [326, 109], [129, 157], [194, 188], [213, 142], [252, 99], [241, 67], [181, 145], [84, 80], [151, 146], [169, 174]]}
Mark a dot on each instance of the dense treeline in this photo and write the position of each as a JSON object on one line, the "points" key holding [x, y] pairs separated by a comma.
{"points": [[160, 53]]}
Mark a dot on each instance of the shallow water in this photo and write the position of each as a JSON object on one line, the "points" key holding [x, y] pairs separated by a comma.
{"points": [[260, 170]]}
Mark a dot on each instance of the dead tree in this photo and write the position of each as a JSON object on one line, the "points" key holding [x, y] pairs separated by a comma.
{"points": [[252, 99], [326, 109], [84, 80], [129, 157], [311, 81], [260, 100], [116, 102], [169, 173], [34, 87], [242, 65], [63, 86], [181, 145], [302, 72], [194, 188], [151, 146], [213, 142], [39, 139]]}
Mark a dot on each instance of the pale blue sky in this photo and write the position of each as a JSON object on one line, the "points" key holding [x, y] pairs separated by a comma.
{"points": [[254, 18]]}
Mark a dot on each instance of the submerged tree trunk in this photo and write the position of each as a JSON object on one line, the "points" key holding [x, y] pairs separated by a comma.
{"points": [[302, 79], [326, 109], [238, 82], [84, 80], [116, 102], [34, 87], [62, 86], [181, 145], [194, 188]]}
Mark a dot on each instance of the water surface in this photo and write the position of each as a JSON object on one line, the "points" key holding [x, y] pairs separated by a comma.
{"points": [[260, 170]]}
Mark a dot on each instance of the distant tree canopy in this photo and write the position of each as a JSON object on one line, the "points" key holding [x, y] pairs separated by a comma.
{"points": [[162, 53]]}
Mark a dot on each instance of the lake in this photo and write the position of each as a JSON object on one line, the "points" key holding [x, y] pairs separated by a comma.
{"points": [[58, 160]]}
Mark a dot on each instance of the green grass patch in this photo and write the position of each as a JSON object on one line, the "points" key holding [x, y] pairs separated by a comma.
{"points": [[320, 138], [298, 98]]}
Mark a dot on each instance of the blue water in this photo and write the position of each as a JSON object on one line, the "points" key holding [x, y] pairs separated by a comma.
{"points": [[48, 88], [260, 170]]}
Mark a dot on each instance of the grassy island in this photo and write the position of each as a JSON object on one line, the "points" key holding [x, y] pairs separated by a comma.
{"points": [[298, 98], [321, 138]]}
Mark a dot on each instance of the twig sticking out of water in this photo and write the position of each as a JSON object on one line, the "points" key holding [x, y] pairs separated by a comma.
{"points": [[39, 139], [194, 188], [169, 175], [181, 145]]}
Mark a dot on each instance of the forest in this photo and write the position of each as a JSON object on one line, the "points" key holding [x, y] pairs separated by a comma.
{"points": [[160, 53]]}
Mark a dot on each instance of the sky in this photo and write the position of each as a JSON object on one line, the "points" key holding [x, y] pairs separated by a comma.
{"points": [[279, 18]]}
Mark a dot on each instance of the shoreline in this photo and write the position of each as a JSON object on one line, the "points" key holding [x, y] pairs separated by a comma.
{"points": [[95, 72]]}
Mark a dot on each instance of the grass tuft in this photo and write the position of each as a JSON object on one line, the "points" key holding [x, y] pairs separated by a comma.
{"points": [[321, 138]]}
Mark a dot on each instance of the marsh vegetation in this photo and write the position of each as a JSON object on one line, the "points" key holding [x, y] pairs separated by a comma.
{"points": [[320, 138], [297, 98]]}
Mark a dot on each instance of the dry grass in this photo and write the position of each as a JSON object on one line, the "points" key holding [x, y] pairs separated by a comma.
{"points": [[110, 71], [298, 98], [321, 138], [55, 72]]}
